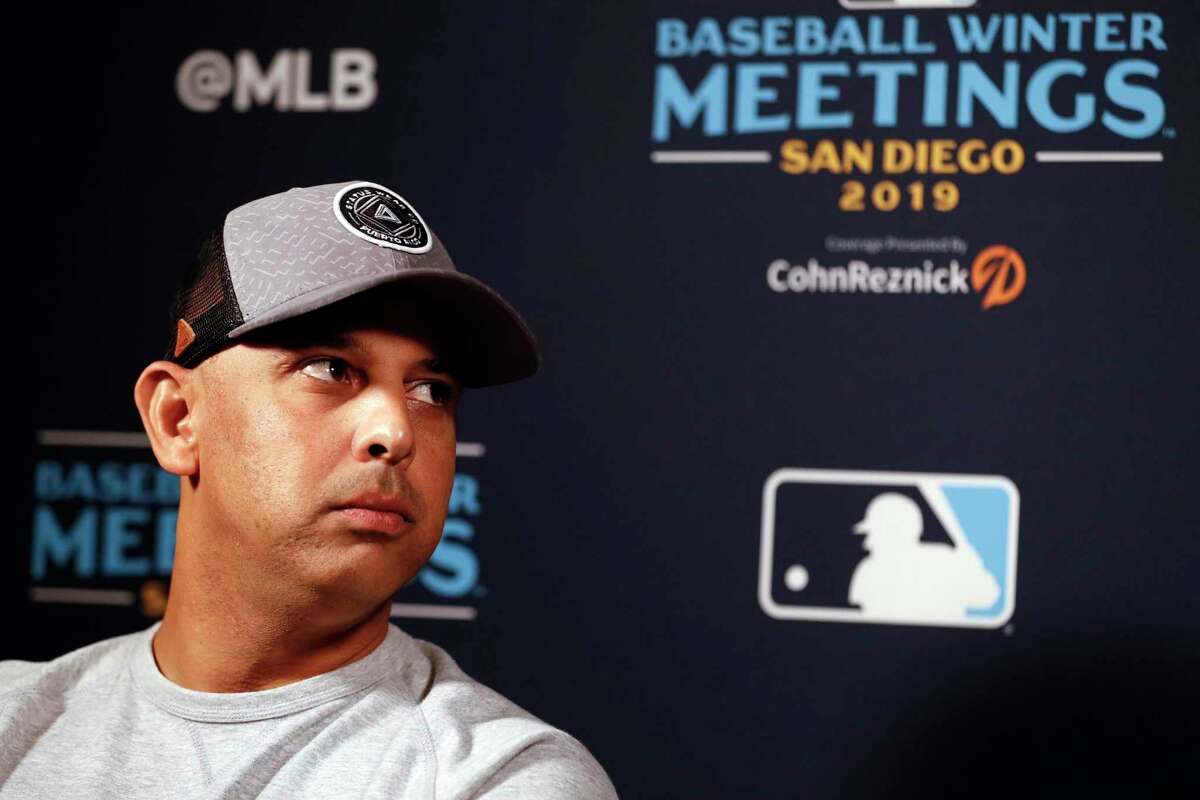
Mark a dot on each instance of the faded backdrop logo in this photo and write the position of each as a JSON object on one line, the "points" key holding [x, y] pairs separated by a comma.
{"points": [[889, 547], [207, 77], [105, 516]]}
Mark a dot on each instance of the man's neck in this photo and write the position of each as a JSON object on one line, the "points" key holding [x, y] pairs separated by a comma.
{"points": [[229, 650]]}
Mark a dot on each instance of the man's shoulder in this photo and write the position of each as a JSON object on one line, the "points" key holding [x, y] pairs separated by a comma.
{"points": [[486, 745], [68, 671]]}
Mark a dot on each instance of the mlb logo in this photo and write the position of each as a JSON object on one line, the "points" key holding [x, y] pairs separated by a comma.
{"points": [[907, 548]]}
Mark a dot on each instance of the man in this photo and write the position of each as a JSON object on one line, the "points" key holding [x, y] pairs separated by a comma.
{"points": [[306, 400]]}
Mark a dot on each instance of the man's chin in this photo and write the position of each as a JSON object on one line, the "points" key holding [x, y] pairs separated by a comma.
{"points": [[365, 566], [354, 592]]}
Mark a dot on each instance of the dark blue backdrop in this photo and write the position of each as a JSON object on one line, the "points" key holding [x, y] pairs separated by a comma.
{"points": [[617, 540]]}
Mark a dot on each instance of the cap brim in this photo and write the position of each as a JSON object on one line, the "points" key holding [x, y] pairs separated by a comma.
{"points": [[492, 343]]}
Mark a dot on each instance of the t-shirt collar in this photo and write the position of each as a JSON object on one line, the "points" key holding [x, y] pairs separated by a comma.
{"points": [[267, 703]]}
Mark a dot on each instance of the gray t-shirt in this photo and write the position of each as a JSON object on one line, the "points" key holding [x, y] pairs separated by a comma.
{"points": [[403, 722]]}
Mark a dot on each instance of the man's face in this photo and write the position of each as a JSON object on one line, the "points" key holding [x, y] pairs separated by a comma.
{"points": [[305, 425]]}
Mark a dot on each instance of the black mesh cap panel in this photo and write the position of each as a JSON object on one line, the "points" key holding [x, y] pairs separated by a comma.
{"points": [[205, 300]]}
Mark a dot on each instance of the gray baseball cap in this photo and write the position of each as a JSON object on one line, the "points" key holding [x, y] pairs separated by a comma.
{"points": [[281, 256]]}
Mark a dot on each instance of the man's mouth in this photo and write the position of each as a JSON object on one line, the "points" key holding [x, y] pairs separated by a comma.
{"points": [[373, 519], [387, 513]]}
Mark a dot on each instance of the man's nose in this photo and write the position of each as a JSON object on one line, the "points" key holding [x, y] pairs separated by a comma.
{"points": [[385, 430]]}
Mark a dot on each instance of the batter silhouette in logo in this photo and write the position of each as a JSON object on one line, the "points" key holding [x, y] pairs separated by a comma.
{"points": [[902, 577]]}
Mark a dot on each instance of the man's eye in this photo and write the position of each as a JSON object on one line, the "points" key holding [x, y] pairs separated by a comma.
{"points": [[433, 392], [332, 370]]}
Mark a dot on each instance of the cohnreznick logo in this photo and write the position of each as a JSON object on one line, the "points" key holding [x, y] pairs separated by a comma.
{"points": [[998, 274], [889, 547]]}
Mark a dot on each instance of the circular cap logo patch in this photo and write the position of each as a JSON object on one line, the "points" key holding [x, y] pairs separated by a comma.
{"points": [[381, 216]]}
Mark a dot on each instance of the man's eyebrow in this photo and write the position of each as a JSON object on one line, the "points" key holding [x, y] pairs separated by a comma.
{"points": [[339, 340], [441, 366], [334, 339], [435, 364]]}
